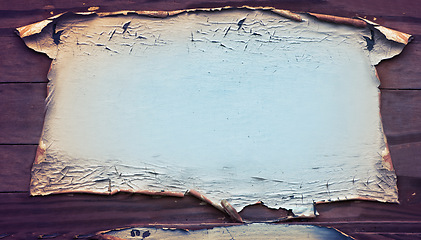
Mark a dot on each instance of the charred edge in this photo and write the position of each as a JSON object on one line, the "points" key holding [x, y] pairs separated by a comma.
{"points": [[151, 193], [288, 14], [164, 14], [114, 192], [340, 20]]}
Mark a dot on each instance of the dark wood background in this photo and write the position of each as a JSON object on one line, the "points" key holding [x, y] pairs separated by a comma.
{"points": [[23, 90]]}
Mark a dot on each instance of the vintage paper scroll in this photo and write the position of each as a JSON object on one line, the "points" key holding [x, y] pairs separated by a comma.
{"points": [[244, 105]]}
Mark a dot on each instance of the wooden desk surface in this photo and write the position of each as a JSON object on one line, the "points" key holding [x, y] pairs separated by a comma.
{"points": [[23, 90]]}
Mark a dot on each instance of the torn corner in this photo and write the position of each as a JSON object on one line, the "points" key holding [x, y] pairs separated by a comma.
{"points": [[390, 34], [32, 29], [394, 35], [35, 28]]}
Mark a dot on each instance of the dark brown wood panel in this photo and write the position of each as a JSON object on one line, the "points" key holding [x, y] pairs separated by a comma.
{"points": [[64, 216], [401, 115], [406, 159], [22, 114], [80, 214], [15, 167], [354, 211], [85, 214], [396, 73], [386, 236], [21, 64], [10, 20]]}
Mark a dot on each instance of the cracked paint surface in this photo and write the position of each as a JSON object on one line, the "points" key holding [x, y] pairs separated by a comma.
{"points": [[251, 231], [243, 105]]}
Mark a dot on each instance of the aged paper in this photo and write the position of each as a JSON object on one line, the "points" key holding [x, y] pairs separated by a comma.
{"points": [[244, 105]]}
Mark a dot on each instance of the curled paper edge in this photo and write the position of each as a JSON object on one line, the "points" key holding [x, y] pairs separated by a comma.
{"points": [[35, 28], [390, 34]]}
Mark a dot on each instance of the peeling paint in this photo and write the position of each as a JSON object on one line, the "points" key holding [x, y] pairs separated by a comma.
{"points": [[252, 231], [242, 105]]}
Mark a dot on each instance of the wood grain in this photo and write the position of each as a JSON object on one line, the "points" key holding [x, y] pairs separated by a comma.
{"points": [[33, 67], [406, 159], [15, 167], [22, 112], [23, 89], [401, 115], [80, 214], [395, 73]]}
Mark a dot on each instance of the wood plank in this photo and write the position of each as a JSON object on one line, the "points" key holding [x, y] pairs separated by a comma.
{"points": [[365, 236], [22, 64], [410, 192], [401, 115], [10, 20], [84, 214], [405, 158], [402, 23], [22, 115], [345, 211], [386, 236], [79, 214], [15, 165], [401, 72]]}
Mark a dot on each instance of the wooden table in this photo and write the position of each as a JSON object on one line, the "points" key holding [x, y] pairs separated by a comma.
{"points": [[23, 90]]}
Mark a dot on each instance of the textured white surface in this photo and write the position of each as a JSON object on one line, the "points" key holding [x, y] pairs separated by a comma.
{"points": [[251, 231], [273, 110]]}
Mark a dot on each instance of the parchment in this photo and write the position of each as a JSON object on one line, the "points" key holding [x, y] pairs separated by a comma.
{"points": [[244, 105]]}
